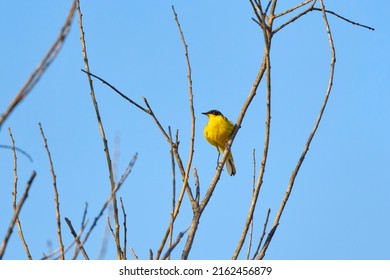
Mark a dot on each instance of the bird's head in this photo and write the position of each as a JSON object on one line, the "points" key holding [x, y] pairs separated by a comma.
{"points": [[212, 113]]}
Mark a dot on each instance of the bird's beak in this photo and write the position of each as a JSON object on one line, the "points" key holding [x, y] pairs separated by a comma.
{"points": [[205, 113]]}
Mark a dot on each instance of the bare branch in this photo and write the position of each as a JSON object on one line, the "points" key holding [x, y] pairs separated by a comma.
{"points": [[134, 254], [84, 215], [40, 70], [262, 234], [18, 150], [197, 185], [294, 18], [127, 171], [124, 257], [76, 238], [14, 194], [173, 189], [16, 215], [117, 91], [267, 64], [83, 225], [50, 255], [308, 142], [170, 249], [147, 110], [257, 9], [103, 135], [294, 8], [310, 9], [253, 193], [267, 242], [344, 18], [184, 173], [110, 227], [57, 203], [273, 7]]}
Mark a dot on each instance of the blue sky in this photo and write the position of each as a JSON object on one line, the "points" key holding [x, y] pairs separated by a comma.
{"points": [[340, 203]]}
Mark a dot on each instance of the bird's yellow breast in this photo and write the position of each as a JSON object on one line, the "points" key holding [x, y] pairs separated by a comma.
{"points": [[218, 131]]}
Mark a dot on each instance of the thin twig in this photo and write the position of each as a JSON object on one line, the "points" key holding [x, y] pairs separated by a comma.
{"points": [[17, 149], [267, 242], [84, 214], [257, 9], [253, 192], [151, 113], [43, 65], [56, 200], [83, 225], [16, 215], [110, 227], [268, 5], [134, 254], [14, 194], [147, 110], [128, 170], [51, 254], [174, 244], [103, 135], [197, 185], [273, 7], [344, 18], [173, 189], [117, 91], [48, 256], [294, 8], [310, 9], [76, 238], [262, 234], [124, 257]]}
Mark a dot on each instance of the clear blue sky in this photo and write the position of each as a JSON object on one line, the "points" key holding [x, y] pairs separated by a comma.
{"points": [[340, 205]]}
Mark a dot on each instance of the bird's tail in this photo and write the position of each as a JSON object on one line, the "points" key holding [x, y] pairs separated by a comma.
{"points": [[230, 167]]}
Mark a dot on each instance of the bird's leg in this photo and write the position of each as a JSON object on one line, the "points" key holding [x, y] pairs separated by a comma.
{"points": [[219, 155]]}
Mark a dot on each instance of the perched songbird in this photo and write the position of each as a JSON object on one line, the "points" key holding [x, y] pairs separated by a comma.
{"points": [[217, 132]]}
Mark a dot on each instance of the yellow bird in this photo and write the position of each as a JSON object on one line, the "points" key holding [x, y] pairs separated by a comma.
{"points": [[217, 132]]}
